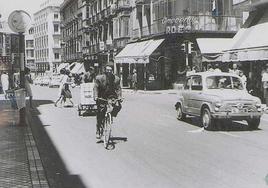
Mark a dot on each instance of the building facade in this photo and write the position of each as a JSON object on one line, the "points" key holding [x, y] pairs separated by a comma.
{"points": [[29, 50], [9, 48], [94, 30], [47, 37], [178, 23], [71, 27]]}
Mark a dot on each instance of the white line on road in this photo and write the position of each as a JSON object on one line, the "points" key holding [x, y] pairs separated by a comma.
{"points": [[197, 130]]}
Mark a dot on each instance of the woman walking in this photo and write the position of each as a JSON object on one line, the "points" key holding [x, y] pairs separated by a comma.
{"points": [[28, 89], [64, 90]]}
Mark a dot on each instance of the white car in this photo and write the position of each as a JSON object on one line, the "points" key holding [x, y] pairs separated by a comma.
{"points": [[45, 81], [37, 81], [55, 81], [213, 96]]}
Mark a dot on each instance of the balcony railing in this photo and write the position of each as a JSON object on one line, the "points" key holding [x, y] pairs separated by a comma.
{"points": [[182, 24], [123, 4]]}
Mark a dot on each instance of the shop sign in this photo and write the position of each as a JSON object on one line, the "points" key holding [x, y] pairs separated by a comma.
{"points": [[179, 24]]}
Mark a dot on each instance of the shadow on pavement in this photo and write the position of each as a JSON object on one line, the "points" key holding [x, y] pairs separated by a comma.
{"points": [[117, 140], [231, 126], [55, 169]]}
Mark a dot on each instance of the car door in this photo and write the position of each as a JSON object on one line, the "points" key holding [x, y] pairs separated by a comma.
{"points": [[185, 94], [196, 95]]}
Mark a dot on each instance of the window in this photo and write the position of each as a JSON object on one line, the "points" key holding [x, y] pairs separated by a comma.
{"points": [[187, 83], [56, 28], [196, 83], [56, 16], [224, 82], [56, 55]]}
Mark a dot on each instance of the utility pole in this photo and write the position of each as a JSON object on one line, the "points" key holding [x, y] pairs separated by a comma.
{"points": [[18, 22], [22, 111]]}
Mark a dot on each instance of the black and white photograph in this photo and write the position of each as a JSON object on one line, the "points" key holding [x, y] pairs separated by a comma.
{"points": [[134, 93]]}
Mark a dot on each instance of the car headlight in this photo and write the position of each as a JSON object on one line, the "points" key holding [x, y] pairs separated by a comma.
{"points": [[218, 105], [258, 105]]}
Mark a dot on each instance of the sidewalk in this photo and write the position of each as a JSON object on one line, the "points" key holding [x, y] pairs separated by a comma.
{"points": [[20, 162]]}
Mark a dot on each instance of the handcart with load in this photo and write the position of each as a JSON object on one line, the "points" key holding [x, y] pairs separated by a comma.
{"points": [[87, 103]]}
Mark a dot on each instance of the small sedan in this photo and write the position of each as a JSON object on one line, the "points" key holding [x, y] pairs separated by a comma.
{"points": [[55, 81], [218, 96]]}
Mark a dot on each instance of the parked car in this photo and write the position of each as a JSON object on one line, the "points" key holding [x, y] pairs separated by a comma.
{"points": [[37, 81], [45, 81], [55, 81], [218, 96]]}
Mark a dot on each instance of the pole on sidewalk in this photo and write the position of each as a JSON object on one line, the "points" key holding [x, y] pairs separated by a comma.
{"points": [[22, 111]]}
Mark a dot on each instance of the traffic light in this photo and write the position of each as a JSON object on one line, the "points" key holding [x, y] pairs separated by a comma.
{"points": [[183, 47], [190, 47]]}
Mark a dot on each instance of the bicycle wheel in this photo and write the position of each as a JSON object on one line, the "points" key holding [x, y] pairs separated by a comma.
{"points": [[107, 130]]}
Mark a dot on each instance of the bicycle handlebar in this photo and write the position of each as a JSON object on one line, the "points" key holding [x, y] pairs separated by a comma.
{"points": [[106, 100]]}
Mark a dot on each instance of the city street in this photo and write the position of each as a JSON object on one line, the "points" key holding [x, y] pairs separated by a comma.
{"points": [[152, 148]]}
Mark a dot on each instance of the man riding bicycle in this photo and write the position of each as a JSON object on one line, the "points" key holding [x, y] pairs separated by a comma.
{"points": [[106, 85]]}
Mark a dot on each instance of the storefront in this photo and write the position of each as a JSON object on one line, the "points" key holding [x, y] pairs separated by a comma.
{"points": [[140, 56], [249, 48]]}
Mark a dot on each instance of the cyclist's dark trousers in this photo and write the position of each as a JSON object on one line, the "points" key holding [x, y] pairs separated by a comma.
{"points": [[101, 109]]}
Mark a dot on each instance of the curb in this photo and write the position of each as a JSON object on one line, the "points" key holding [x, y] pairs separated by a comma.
{"points": [[158, 92], [37, 171]]}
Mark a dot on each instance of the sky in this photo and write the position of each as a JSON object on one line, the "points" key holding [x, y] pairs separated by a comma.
{"points": [[30, 6]]}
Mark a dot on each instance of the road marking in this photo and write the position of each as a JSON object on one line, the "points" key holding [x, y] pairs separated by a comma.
{"points": [[229, 134], [197, 130]]}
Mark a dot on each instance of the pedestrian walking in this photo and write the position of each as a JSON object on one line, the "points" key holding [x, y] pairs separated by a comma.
{"points": [[5, 82], [189, 71], [209, 68], [64, 90], [134, 80], [28, 81], [217, 68], [265, 84], [243, 78], [89, 76], [235, 69]]}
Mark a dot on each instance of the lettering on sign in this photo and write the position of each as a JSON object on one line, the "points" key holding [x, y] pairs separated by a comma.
{"points": [[179, 24]]}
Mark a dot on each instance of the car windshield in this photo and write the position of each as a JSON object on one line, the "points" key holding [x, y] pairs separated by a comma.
{"points": [[224, 82]]}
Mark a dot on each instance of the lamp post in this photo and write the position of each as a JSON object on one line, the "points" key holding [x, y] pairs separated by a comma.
{"points": [[18, 22]]}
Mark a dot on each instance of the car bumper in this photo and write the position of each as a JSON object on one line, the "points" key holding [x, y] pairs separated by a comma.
{"points": [[236, 116]]}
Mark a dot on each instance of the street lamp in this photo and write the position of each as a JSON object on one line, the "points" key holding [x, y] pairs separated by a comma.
{"points": [[18, 22]]}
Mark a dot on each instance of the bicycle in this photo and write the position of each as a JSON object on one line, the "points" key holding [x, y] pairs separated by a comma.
{"points": [[106, 125]]}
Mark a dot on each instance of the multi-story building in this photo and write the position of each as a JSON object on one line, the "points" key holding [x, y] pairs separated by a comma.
{"points": [[47, 37], [9, 47], [71, 27], [164, 29], [94, 30], [29, 50]]}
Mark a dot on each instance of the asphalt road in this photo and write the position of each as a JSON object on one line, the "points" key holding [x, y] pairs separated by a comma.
{"points": [[153, 149]]}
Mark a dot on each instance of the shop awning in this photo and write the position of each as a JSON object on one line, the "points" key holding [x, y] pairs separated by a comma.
{"points": [[211, 48], [138, 52], [78, 68], [249, 44]]}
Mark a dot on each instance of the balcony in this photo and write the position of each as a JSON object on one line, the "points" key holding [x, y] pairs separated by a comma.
{"points": [[123, 4]]}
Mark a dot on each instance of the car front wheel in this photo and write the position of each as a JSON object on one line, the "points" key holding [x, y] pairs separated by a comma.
{"points": [[180, 115], [254, 123], [207, 120]]}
